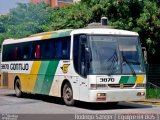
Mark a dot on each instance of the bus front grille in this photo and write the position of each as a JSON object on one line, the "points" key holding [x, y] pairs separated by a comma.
{"points": [[121, 85]]}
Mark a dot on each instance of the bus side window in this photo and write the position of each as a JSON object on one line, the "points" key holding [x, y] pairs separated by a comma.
{"points": [[16, 53], [26, 53], [7, 53], [62, 48], [75, 52], [37, 51], [59, 49], [66, 48], [52, 50], [46, 50]]}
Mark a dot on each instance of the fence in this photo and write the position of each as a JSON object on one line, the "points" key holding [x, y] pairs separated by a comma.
{"points": [[153, 81]]}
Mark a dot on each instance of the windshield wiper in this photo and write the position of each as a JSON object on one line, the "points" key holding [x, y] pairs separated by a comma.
{"points": [[129, 64], [114, 60]]}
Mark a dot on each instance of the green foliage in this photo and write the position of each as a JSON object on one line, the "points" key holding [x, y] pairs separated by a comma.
{"points": [[25, 20], [149, 25], [75, 16], [153, 93]]}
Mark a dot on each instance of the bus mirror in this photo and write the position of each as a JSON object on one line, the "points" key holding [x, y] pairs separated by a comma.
{"points": [[144, 54], [83, 39], [87, 49], [87, 53]]}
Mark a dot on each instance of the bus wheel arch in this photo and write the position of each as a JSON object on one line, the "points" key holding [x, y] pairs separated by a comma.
{"points": [[67, 93], [18, 87]]}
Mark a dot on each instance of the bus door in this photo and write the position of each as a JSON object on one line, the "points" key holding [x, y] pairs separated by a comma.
{"points": [[82, 67]]}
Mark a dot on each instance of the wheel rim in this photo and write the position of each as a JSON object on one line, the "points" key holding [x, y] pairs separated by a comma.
{"points": [[68, 94], [17, 88]]}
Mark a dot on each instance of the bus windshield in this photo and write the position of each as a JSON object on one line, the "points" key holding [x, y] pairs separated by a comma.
{"points": [[115, 55]]}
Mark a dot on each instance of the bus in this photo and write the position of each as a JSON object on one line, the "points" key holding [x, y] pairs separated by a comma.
{"points": [[87, 64]]}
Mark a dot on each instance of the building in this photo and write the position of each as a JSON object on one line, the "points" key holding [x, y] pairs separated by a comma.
{"points": [[58, 3]]}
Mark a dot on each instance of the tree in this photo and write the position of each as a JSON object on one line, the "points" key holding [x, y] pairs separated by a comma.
{"points": [[26, 19], [75, 16], [149, 25]]}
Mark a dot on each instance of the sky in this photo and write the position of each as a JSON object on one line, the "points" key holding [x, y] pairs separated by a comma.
{"points": [[5, 5]]}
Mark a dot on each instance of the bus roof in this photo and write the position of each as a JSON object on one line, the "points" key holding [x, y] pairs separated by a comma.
{"points": [[68, 32], [40, 36], [104, 31]]}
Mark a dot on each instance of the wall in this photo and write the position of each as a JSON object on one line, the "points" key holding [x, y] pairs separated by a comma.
{"points": [[54, 3], [36, 1]]}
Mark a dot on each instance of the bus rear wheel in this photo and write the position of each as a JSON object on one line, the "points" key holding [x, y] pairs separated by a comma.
{"points": [[17, 88], [112, 103], [68, 95]]}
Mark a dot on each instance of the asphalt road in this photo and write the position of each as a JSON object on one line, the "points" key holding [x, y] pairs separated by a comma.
{"points": [[38, 104]]}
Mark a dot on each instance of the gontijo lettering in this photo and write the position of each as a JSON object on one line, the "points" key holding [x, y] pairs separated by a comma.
{"points": [[15, 66]]}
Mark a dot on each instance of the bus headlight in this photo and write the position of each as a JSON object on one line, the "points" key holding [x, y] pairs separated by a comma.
{"points": [[141, 94], [140, 85], [101, 97]]}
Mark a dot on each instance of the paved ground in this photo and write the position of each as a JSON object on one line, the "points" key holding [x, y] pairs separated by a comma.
{"points": [[38, 104]]}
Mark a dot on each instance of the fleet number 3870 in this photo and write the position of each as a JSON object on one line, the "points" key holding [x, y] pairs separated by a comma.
{"points": [[107, 79]]}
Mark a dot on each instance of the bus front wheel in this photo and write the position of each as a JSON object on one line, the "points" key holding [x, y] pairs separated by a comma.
{"points": [[17, 87], [68, 95]]}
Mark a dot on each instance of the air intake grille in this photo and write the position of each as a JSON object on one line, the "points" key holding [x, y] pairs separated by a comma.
{"points": [[121, 85]]}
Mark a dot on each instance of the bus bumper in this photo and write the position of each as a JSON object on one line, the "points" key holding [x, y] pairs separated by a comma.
{"points": [[117, 95]]}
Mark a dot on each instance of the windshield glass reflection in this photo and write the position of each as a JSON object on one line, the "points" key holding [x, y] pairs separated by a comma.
{"points": [[115, 55]]}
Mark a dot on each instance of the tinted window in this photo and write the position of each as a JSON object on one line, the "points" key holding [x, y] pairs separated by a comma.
{"points": [[62, 48], [75, 52], [58, 48], [26, 52], [7, 53], [48, 49]]}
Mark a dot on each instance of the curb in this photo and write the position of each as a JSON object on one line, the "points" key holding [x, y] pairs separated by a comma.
{"points": [[153, 102]]}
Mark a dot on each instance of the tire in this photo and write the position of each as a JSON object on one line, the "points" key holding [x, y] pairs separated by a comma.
{"points": [[17, 88], [112, 103], [68, 95]]}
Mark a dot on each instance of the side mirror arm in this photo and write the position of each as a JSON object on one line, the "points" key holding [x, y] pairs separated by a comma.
{"points": [[145, 54]]}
